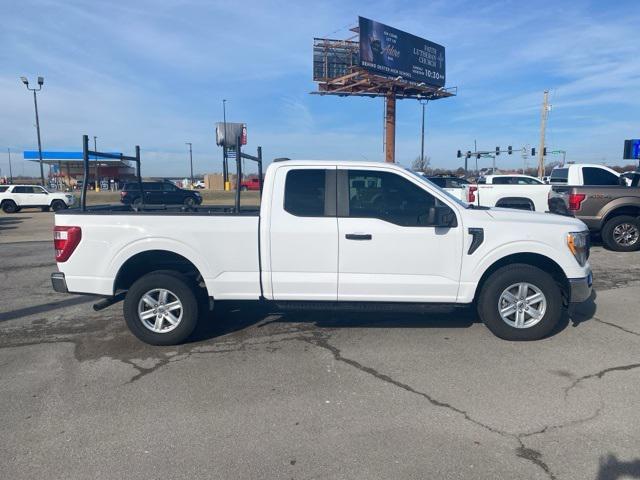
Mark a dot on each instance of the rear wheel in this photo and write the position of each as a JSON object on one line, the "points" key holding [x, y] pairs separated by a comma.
{"points": [[9, 206], [520, 302], [622, 233], [161, 308], [58, 205]]}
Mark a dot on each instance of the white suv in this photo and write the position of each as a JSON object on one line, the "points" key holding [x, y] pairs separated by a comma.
{"points": [[13, 198]]}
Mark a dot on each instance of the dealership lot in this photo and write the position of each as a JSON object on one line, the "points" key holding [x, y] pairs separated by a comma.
{"points": [[262, 395]]}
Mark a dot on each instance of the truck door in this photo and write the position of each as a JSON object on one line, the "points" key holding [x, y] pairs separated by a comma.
{"points": [[303, 234], [389, 248]]}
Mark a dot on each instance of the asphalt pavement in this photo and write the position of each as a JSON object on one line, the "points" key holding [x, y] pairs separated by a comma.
{"points": [[260, 395]]}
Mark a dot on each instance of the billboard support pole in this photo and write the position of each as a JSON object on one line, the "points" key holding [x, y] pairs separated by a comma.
{"points": [[390, 124]]}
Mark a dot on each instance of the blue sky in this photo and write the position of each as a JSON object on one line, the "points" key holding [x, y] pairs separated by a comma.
{"points": [[154, 73]]}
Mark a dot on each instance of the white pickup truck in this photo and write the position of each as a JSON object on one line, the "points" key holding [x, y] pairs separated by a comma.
{"points": [[14, 198], [327, 235], [528, 193]]}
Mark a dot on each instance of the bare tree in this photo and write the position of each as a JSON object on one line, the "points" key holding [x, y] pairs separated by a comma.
{"points": [[420, 165]]}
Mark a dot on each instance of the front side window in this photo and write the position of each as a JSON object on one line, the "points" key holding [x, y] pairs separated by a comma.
{"points": [[389, 197], [304, 192], [598, 176], [169, 187]]}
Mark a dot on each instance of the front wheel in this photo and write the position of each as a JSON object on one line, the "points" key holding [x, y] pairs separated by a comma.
{"points": [[520, 302], [161, 308], [622, 234], [190, 202], [9, 206]]}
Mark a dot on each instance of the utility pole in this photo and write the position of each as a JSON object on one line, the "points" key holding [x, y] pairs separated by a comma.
{"points": [[543, 126], [390, 124], [35, 103], [10, 170], [190, 161]]}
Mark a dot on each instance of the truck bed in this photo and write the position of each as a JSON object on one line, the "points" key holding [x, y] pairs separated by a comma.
{"points": [[221, 244], [121, 209]]}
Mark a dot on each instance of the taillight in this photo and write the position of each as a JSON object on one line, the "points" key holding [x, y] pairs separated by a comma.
{"points": [[471, 193], [123, 194], [575, 200], [65, 241]]}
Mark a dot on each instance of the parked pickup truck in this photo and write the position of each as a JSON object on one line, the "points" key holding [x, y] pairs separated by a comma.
{"points": [[509, 191], [327, 235], [14, 198], [614, 211], [528, 193]]}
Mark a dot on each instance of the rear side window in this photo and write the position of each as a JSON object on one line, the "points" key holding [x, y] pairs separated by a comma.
{"points": [[3, 188], [23, 190], [439, 181], [152, 187], [304, 193], [598, 176], [560, 175], [502, 180]]}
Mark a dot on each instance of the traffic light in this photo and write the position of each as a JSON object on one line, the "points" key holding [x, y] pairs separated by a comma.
{"points": [[497, 150], [509, 149], [544, 152], [468, 154], [477, 155], [533, 152], [459, 154]]}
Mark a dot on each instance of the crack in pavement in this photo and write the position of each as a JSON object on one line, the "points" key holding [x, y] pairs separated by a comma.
{"points": [[599, 375], [534, 456], [615, 326]]}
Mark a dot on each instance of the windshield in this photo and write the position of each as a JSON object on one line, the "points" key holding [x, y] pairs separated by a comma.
{"points": [[444, 192]]}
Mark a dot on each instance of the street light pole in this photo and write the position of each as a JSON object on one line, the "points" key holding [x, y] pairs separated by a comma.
{"points": [[423, 103], [225, 166], [190, 161], [95, 149], [10, 170], [35, 103]]}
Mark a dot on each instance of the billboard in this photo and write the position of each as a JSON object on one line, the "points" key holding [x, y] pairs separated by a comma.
{"points": [[632, 149], [390, 52]]}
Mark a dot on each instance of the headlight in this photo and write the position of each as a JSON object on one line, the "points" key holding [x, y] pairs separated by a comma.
{"points": [[578, 243]]}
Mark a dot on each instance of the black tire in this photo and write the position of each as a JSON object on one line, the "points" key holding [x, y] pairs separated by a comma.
{"points": [[9, 206], [615, 240], [499, 281], [137, 203], [57, 205], [180, 288], [190, 202]]}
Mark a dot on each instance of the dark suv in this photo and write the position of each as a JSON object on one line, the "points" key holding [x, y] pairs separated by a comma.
{"points": [[159, 193]]}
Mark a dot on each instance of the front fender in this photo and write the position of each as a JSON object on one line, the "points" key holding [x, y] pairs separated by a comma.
{"points": [[472, 274]]}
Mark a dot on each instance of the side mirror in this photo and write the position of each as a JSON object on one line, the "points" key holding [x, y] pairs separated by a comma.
{"points": [[442, 216], [622, 181]]}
